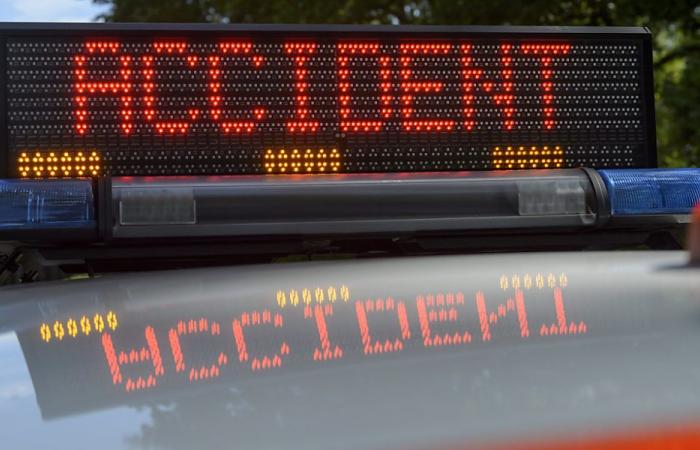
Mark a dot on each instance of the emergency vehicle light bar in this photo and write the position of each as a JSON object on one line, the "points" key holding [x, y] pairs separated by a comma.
{"points": [[189, 207]]}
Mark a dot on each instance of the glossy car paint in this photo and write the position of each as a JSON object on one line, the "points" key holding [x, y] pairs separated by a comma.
{"points": [[636, 365]]}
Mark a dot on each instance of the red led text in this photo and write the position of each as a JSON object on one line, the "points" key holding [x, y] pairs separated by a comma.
{"points": [[303, 87]]}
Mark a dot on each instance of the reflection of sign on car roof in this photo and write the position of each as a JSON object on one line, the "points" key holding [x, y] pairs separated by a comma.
{"points": [[426, 383], [285, 331], [177, 331]]}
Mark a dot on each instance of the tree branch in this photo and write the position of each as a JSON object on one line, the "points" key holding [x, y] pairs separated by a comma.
{"points": [[676, 53]]}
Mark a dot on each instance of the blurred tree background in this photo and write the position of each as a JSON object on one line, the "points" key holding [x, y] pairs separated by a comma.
{"points": [[675, 24]]}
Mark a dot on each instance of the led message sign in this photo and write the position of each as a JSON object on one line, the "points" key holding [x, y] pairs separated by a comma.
{"points": [[300, 101]]}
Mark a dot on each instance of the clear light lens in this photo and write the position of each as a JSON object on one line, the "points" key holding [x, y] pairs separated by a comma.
{"points": [[27, 204], [652, 191]]}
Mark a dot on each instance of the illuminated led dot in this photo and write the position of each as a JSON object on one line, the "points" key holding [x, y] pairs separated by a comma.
{"points": [[563, 280], [281, 299], [294, 298], [344, 293], [85, 325], [112, 322], [332, 295], [515, 281], [45, 332], [503, 282], [99, 323], [58, 330], [72, 327]]}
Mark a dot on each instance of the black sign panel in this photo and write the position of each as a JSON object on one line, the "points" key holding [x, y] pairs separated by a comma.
{"points": [[166, 100]]}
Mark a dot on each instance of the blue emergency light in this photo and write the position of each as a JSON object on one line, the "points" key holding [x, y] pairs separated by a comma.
{"points": [[42, 204], [652, 191]]}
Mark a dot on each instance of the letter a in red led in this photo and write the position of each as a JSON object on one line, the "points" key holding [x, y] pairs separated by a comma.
{"points": [[486, 319], [440, 308], [371, 345], [319, 314], [301, 52], [165, 49], [546, 53], [120, 86], [215, 98], [254, 319], [189, 328], [134, 356], [347, 51], [562, 326], [410, 87]]}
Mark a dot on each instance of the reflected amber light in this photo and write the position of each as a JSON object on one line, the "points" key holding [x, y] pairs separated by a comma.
{"points": [[78, 327], [307, 296]]}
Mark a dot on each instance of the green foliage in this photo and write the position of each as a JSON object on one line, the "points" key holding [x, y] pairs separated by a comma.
{"points": [[676, 26]]}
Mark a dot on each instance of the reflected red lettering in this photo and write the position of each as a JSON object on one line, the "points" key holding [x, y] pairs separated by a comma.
{"points": [[319, 313], [254, 319], [440, 308], [151, 352], [192, 327], [561, 326], [486, 319], [383, 324], [371, 345]]}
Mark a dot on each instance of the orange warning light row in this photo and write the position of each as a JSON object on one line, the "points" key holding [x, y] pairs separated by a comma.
{"points": [[59, 164], [78, 327], [301, 161], [522, 157], [529, 281], [307, 296]]}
